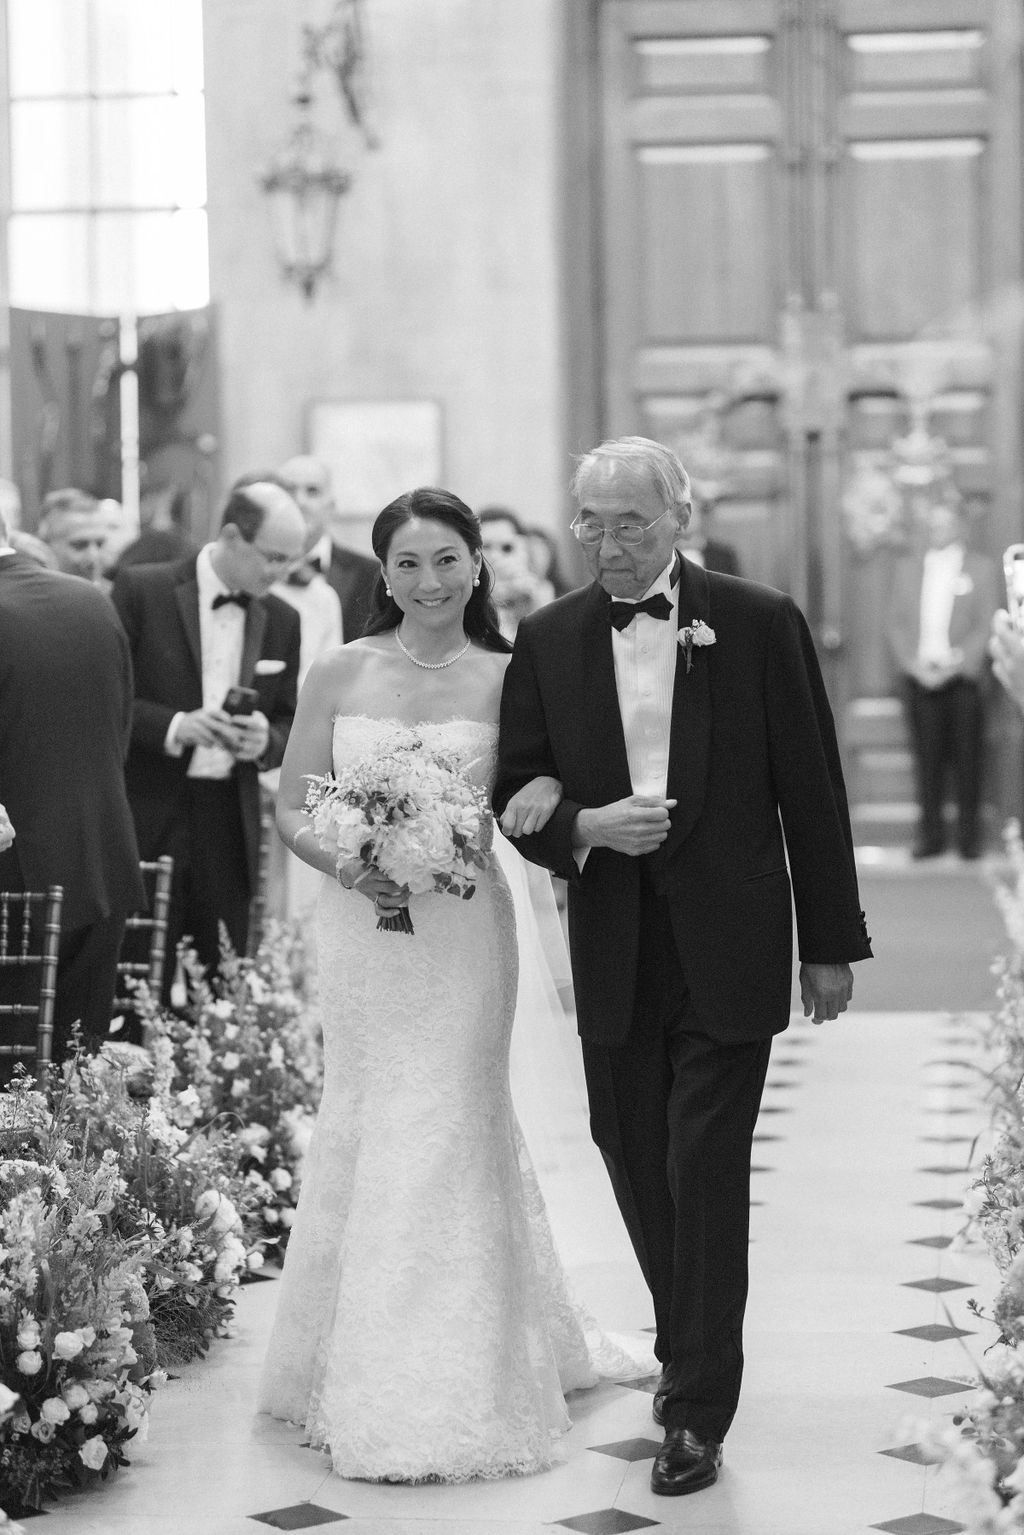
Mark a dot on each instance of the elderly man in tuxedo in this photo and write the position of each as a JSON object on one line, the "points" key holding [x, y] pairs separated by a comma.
{"points": [[684, 714], [351, 575], [65, 712], [198, 630], [941, 605]]}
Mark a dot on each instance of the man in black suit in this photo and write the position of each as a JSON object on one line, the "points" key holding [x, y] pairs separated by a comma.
{"points": [[197, 629], [684, 714], [65, 713], [353, 576]]}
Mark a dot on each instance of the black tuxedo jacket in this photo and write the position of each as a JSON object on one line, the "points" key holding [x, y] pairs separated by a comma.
{"points": [[353, 576], [65, 713], [754, 766], [159, 607]]}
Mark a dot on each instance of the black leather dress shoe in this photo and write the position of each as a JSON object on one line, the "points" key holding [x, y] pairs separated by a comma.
{"points": [[685, 1463], [658, 1405]]}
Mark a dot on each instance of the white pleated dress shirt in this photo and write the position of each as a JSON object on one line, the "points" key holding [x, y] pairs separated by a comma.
{"points": [[942, 571], [644, 653], [221, 637]]}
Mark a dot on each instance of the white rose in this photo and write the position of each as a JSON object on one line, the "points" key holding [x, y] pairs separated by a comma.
{"points": [[89, 1413], [75, 1394], [231, 1061], [68, 1345], [54, 1410], [93, 1453], [275, 1055], [239, 1087], [30, 1362], [287, 1218], [280, 1179], [28, 1333], [254, 1260]]}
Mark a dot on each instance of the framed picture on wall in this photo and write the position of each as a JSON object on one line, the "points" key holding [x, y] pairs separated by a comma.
{"points": [[376, 449]]}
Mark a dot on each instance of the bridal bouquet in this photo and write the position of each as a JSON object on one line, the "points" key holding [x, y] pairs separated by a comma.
{"points": [[410, 814]]}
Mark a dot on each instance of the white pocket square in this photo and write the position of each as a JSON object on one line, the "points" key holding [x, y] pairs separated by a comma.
{"points": [[269, 668]]}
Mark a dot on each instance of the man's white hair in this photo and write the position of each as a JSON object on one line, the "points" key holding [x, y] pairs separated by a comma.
{"points": [[641, 454]]}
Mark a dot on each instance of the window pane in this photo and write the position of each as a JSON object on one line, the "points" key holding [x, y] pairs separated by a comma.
{"points": [[48, 47], [148, 262], [147, 45], [50, 154], [49, 260], [151, 152]]}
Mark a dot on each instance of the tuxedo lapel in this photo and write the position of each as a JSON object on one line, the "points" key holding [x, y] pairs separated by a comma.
{"points": [[607, 746], [255, 624], [186, 594], [690, 744]]}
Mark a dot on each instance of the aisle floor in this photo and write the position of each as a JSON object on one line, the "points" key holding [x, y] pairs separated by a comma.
{"points": [[864, 1137]]}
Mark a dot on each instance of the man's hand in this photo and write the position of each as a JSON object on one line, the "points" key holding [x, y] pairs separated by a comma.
{"points": [[1006, 647], [6, 830], [825, 990], [252, 735], [206, 727], [531, 808], [634, 826]]}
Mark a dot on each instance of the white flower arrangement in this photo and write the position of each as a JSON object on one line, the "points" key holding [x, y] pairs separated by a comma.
{"points": [[408, 813]]}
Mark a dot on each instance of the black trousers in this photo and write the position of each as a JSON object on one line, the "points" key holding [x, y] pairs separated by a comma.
{"points": [[211, 875], [947, 730], [673, 1113]]}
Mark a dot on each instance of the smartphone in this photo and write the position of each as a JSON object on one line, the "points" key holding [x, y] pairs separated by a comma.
{"points": [[1013, 570], [244, 700]]}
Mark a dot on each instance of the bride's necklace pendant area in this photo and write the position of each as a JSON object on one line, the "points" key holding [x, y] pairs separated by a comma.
{"points": [[431, 666]]}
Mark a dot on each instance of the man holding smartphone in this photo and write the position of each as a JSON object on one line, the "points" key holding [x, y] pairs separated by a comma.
{"points": [[216, 659]]}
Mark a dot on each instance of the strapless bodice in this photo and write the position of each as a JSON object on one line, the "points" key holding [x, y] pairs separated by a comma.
{"points": [[472, 744]]}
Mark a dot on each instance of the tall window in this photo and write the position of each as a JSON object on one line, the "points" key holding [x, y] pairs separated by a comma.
{"points": [[107, 144]]}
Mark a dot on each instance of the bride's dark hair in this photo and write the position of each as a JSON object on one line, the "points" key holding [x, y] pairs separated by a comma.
{"points": [[431, 504]]}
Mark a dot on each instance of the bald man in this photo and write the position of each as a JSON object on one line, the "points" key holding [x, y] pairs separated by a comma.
{"points": [[198, 629], [351, 575]]}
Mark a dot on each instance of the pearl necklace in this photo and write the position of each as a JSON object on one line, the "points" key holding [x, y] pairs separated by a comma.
{"points": [[431, 666]]}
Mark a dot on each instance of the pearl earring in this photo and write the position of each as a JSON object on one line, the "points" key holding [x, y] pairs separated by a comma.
{"points": [[476, 580], [387, 591]]}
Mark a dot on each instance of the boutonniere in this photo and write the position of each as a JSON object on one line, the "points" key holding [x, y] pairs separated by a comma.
{"points": [[697, 633], [963, 585]]}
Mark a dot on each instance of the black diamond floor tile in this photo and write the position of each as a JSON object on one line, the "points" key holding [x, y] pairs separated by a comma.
{"points": [[943, 1140], [774, 1108], [300, 1516], [935, 1332], [911, 1452], [930, 1385], [920, 1524], [936, 1286], [946, 1168], [757, 1169], [768, 1137], [778, 1083], [257, 1278], [938, 1242], [948, 1112], [607, 1521], [954, 1061], [629, 1449], [938, 1204]]}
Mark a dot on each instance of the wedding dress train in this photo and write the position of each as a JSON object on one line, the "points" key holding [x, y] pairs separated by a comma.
{"points": [[424, 1327]]}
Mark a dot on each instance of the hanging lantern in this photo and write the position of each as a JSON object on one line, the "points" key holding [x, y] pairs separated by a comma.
{"points": [[304, 186]]}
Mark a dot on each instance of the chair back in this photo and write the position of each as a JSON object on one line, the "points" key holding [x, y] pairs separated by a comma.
{"points": [[152, 955], [29, 945]]}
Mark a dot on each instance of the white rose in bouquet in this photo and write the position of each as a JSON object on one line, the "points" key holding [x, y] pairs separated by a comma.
{"points": [[68, 1345], [55, 1410], [93, 1453]]}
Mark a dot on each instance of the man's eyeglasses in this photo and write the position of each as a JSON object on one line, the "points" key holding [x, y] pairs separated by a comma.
{"points": [[274, 558], [590, 531]]}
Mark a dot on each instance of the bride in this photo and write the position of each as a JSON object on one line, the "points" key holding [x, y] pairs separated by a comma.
{"points": [[424, 1329]]}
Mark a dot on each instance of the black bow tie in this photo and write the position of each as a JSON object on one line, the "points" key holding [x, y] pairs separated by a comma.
{"points": [[242, 598], [623, 613]]}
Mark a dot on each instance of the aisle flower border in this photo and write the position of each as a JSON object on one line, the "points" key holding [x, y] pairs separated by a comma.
{"points": [[136, 1195]]}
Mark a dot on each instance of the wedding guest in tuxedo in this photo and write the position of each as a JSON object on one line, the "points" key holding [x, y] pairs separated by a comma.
{"points": [[65, 713], [697, 544], [197, 629], [940, 616], [351, 575], [685, 716], [76, 529]]}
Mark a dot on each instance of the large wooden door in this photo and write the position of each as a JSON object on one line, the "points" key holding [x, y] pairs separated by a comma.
{"points": [[811, 246]]}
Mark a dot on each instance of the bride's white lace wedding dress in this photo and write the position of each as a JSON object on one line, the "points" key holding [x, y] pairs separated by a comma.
{"points": [[424, 1328]]}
